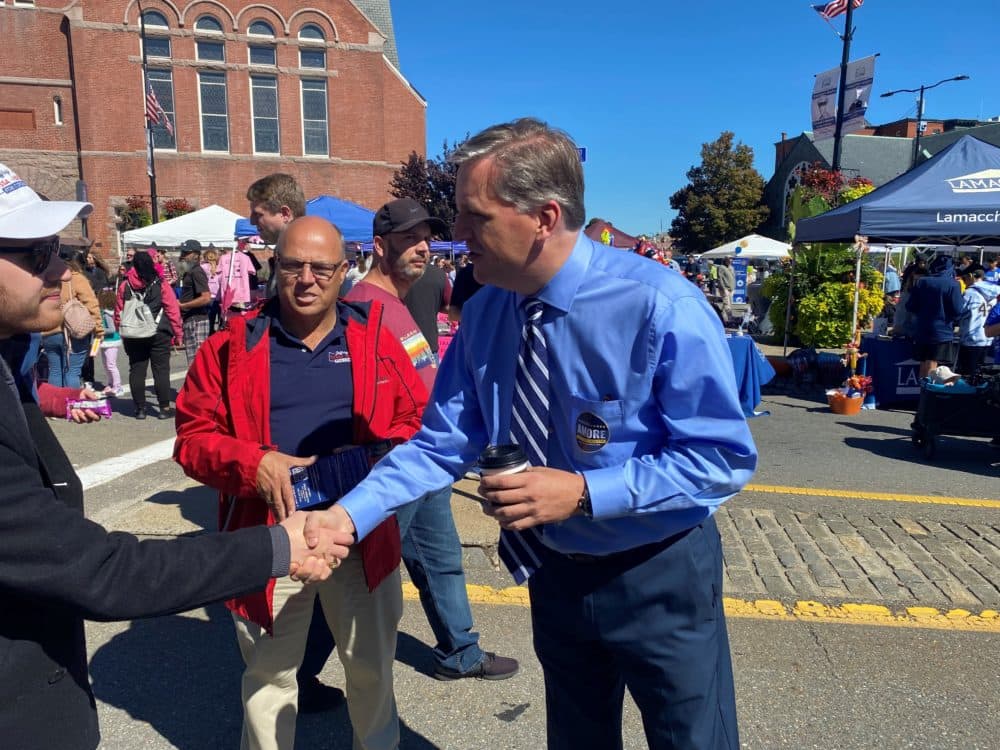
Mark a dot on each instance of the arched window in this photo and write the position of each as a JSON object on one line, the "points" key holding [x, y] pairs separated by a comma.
{"points": [[155, 18], [208, 23], [156, 46], [312, 57], [260, 28], [312, 33]]}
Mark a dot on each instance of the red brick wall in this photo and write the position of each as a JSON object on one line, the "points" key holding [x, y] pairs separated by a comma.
{"points": [[375, 119]]}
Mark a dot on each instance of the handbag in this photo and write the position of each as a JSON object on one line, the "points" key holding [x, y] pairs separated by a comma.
{"points": [[77, 320]]}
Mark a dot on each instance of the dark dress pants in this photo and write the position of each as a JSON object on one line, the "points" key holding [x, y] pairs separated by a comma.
{"points": [[141, 354], [649, 620]]}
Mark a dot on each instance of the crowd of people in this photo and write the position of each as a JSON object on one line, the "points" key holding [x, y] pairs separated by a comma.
{"points": [[933, 302], [611, 526]]}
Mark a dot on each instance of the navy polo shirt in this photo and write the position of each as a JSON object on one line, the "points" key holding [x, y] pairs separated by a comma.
{"points": [[312, 392]]}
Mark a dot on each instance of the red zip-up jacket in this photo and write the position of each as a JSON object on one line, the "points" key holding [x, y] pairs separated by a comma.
{"points": [[223, 425]]}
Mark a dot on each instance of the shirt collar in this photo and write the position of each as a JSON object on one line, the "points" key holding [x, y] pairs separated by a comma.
{"points": [[562, 288], [338, 329]]}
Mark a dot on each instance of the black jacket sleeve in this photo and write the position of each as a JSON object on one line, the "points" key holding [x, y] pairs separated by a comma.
{"points": [[52, 556]]}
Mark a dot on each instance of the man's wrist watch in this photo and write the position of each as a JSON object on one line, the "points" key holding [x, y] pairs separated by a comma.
{"points": [[583, 504]]}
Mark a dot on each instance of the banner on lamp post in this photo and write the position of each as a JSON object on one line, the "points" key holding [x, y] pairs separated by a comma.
{"points": [[860, 77], [824, 104]]}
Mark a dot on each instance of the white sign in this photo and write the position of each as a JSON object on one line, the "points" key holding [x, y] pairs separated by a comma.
{"points": [[860, 75], [824, 104]]}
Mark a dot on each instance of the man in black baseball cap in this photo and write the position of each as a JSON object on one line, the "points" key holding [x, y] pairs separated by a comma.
{"points": [[403, 214]]}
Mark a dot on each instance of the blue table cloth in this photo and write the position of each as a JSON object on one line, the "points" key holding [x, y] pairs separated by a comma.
{"points": [[752, 370], [894, 371]]}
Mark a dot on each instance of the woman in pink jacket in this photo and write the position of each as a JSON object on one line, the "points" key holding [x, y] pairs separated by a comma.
{"points": [[143, 280]]}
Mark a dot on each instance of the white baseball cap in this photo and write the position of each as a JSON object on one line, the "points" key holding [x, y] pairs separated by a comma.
{"points": [[25, 216], [943, 375]]}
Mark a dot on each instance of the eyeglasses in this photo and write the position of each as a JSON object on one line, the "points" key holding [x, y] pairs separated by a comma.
{"points": [[322, 271], [39, 254]]}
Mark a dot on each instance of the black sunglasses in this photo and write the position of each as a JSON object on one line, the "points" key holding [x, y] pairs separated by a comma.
{"points": [[39, 254]]}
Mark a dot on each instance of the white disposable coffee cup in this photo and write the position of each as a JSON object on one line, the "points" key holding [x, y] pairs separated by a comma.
{"points": [[502, 459], [509, 470]]}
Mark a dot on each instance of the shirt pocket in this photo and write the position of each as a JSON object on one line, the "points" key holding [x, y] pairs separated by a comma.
{"points": [[594, 429]]}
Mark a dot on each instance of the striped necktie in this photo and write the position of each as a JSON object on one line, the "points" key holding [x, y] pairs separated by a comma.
{"points": [[529, 428]]}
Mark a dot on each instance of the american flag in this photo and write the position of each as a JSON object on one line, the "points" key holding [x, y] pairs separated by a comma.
{"points": [[833, 9], [155, 113]]}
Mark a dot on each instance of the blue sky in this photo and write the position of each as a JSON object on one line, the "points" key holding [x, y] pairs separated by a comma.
{"points": [[643, 84]]}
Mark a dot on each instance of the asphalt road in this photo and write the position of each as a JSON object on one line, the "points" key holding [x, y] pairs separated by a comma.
{"points": [[173, 681]]}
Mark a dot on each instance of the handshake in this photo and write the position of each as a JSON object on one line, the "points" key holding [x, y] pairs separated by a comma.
{"points": [[320, 540]]}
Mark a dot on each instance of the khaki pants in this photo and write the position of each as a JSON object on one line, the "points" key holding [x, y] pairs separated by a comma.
{"points": [[364, 626]]}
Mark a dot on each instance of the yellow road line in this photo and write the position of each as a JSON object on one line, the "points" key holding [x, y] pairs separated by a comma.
{"points": [[985, 621], [897, 497]]}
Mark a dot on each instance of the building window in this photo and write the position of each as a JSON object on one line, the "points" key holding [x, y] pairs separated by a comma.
{"points": [[312, 33], [315, 126], [312, 58], [162, 82], [158, 46], [57, 113], [214, 111], [262, 55], [261, 28], [211, 51], [209, 24], [264, 101], [155, 18]]}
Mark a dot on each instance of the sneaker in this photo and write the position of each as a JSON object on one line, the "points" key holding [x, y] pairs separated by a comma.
{"points": [[315, 697], [492, 667], [140, 412], [165, 413]]}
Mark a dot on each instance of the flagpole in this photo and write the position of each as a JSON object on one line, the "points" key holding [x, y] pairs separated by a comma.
{"points": [[150, 160], [845, 58]]}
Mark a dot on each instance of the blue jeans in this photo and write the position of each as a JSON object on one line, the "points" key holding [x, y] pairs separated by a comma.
{"points": [[649, 619], [54, 347], [432, 553], [79, 350]]}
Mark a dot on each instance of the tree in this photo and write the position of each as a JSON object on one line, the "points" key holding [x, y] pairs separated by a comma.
{"points": [[723, 200], [430, 182]]}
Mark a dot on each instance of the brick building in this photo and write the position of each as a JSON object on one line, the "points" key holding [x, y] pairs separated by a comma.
{"points": [[312, 88]]}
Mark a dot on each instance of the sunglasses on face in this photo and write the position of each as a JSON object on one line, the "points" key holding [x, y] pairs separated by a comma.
{"points": [[39, 254]]}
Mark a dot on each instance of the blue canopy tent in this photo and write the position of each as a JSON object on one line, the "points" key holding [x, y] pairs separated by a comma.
{"points": [[951, 199], [353, 221]]}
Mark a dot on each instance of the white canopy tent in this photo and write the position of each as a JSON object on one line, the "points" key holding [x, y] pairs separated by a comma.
{"points": [[213, 224], [752, 246]]}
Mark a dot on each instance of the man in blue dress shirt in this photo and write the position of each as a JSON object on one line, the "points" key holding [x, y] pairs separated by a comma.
{"points": [[644, 438]]}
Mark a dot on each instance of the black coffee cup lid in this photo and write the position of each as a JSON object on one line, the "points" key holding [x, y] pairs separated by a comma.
{"points": [[502, 456]]}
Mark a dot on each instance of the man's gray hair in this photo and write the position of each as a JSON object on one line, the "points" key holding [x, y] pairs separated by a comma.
{"points": [[534, 163]]}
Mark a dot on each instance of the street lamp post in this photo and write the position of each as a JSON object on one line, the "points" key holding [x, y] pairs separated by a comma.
{"points": [[920, 109]]}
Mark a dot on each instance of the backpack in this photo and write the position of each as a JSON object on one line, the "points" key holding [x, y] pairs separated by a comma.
{"points": [[137, 320]]}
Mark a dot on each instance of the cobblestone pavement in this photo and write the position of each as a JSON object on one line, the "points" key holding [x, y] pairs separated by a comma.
{"points": [[785, 554]]}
